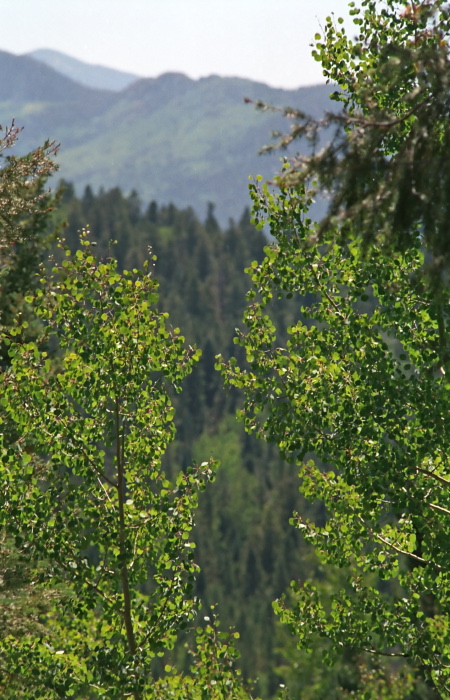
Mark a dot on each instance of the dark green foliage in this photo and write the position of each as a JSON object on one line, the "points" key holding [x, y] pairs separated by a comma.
{"points": [[344, 366], [375, 423], [387, 167], [361, 385], [26, 232], [84, 488], [21, 188], [200, 271], [245, 549], [25, 223]]}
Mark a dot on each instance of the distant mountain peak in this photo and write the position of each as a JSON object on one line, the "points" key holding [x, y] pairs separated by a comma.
{"points": [[170, 138], [87, 74]]}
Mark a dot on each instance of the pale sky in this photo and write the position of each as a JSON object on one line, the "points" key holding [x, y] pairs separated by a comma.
{"points": [[265, 40]]}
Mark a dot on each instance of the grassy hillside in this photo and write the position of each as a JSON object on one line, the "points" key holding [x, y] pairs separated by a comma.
{"points": [[172, 139]]}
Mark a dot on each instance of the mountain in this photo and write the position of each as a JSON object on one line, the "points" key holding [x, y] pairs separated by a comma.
{"points": [[172, 139], [29, 82], [87, 74]]}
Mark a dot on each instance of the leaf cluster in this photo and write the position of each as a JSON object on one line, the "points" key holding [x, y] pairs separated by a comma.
{"points": [[385, 169], [84, 486], [360, 386]]}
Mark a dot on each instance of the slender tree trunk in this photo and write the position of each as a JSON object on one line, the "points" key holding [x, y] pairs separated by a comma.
{"points": [[121, 486]]}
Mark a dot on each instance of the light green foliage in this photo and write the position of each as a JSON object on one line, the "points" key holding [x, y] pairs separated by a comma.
{"points": [[368, 427], [212, 674], [246, 550], [25, 233], [83, 487], [386, 163], [358, 395]]}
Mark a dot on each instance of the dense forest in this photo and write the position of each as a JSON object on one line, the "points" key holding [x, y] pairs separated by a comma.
{"points": [[224, 449], [246, 549]]}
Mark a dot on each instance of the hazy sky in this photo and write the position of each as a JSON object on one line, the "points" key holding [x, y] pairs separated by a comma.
{"points": [[266, 40]]}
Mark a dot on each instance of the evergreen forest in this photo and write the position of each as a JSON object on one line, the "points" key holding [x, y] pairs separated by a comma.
{"points": [[247, 552], [224, 448]]}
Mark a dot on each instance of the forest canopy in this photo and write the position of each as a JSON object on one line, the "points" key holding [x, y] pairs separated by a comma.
{"points": [[358, 395], [117, 523]]}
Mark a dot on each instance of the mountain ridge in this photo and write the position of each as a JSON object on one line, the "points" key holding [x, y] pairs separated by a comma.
{"points": [[170, 138], [87, 74]]}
